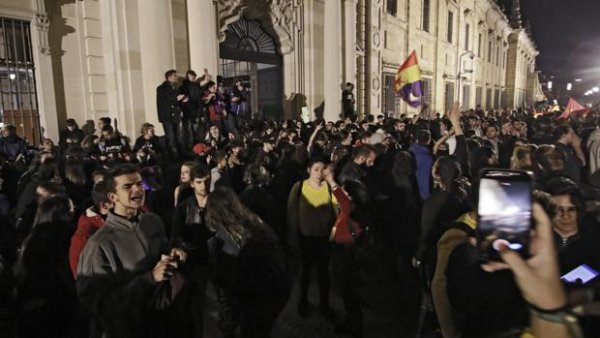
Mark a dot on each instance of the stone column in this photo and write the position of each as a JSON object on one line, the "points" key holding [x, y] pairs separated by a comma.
{"points": [[374, 61], [157, 51], [332, 76], [202, 36], [350, 41], [43, 72]]}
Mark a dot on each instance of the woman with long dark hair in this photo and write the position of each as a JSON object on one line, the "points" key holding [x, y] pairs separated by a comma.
{"points": [[46, 298], [250, 269]]}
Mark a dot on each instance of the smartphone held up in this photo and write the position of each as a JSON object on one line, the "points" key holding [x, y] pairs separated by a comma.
{"points": [[504, 212]]}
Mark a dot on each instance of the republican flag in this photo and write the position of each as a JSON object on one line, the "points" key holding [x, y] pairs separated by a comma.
{"points": [[408, 81], [573, 108]]}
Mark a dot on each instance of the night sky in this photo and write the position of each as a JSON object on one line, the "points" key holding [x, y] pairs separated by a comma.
{"points": [[567, 33]]}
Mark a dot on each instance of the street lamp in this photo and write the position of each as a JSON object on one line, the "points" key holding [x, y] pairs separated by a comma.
{"points": [[459, 72], [549, 84], [569, 86], [596, 89], [12, 76]]}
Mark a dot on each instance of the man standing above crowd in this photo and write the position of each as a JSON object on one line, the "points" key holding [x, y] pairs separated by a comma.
{"points": [[120, 268], [168, 104], [348, 100]]}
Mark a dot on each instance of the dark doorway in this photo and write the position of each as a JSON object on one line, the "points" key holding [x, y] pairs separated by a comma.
{"points": [[250, 54]]}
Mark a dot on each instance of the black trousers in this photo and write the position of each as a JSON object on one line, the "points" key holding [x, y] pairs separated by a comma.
{"points": [[174, 134], [189, 126], [190, 309], [315, 253], [346, 275]]}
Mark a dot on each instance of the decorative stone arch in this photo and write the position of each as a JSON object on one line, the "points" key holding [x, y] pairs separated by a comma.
{"points": [[283, 20], [276, 16]]}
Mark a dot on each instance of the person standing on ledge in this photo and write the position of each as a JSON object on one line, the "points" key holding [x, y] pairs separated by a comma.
{"points": [[348, 100], [168, 106]]}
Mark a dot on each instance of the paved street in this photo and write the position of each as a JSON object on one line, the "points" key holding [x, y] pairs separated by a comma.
{"points": [[392, 305]]}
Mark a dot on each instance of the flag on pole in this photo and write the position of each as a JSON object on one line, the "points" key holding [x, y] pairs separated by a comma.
{"points": [[408, 81]]}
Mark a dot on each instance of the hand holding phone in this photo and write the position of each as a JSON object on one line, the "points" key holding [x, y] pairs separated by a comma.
{"points": [[504, 209]]}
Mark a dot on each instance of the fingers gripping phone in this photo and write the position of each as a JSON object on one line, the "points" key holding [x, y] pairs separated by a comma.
{"points": [[504, 212]]}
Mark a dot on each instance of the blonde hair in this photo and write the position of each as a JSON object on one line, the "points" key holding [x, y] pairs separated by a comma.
{"points": [[523, 157]]}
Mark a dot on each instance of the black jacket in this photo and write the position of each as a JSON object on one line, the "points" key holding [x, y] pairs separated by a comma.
{"points": [[167, 106], [189, 231], [75, 136], [191, 109], [45, 285]]}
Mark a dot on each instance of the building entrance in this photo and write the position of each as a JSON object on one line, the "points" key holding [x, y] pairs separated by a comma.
{"points": [[249, 53]]}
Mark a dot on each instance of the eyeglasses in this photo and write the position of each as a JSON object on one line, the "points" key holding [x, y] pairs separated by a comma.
{"points": [[568, 210]]}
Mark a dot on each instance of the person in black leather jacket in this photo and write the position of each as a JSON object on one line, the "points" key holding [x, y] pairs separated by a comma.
{"points": [[190, 232]]}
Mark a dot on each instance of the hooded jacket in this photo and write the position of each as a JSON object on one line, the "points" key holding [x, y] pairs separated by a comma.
{"points": [[13, 146], [114, 274], [424, 163], [87, 225]]}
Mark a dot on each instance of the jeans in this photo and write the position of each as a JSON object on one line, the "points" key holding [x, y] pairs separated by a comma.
{"points": [[188, 128], [174, 134]]}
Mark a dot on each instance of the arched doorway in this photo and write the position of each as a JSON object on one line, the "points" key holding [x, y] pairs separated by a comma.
{"points": [[250, 53]]}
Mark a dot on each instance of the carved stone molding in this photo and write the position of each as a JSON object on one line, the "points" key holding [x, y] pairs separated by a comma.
{"points": [[42, 23], [279, 17]]}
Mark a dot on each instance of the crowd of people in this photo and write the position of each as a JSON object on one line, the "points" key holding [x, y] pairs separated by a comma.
{"points": [[99, 237]]}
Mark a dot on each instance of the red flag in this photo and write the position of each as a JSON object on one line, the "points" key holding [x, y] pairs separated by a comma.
{"points": [[572, 107]]}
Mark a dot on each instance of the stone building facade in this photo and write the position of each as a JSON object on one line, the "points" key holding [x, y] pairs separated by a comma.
{"points": [[95, 58]]}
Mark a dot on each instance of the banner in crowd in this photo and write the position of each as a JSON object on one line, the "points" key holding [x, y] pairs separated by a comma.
{"points": [[572, 108]]}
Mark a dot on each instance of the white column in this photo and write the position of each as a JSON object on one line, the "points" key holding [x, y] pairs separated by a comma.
{"points": [[156, 45], [43, 73], [350, 41], [332, 76], [202, 30], [374, 84]]}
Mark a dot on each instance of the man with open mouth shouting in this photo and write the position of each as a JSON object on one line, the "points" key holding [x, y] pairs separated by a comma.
{"points": [[121, 276]]}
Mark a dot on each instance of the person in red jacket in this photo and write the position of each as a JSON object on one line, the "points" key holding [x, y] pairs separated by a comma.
{"points": [[89, 222], [344, 263]]}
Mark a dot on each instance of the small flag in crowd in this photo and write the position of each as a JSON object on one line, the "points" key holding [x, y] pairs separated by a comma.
{"points": [[408, 81], [572, 108]]}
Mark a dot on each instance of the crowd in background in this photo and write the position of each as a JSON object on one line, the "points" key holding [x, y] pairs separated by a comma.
{"points": [[103, 235]]}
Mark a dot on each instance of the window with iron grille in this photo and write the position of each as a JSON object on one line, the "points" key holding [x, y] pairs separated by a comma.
{"points": [[390, 98], [466, 97], [449, 96], [18, 99], [497, 98], [427, 90], [488, 99]]}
